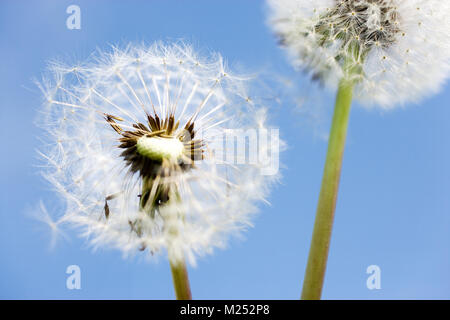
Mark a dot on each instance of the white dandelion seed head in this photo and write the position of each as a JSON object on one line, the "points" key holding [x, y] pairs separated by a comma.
{"points": [[131, 150], [401, 47]]}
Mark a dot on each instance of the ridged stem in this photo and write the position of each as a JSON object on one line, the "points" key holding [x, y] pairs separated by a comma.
{"points": [[320, 243]]}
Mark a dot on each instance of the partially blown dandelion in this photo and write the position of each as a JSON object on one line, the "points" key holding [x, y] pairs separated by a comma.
{"points": [[396, 50], [387, 52], [132, 152]]}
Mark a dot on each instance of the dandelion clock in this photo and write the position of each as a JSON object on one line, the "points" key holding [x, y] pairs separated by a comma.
{"points": [[382, 52], [131, 149]]}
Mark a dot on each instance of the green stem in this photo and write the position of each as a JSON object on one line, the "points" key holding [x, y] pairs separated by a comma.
{"points": [[320, 243], [179, 271], [181, 281]]}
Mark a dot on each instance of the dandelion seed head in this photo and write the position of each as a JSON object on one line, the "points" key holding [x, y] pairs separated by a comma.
{"points": [[132, 150], [401, 48]]}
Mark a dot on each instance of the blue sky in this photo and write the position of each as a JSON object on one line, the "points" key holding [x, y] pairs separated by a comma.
{"points": [[393, 208]]}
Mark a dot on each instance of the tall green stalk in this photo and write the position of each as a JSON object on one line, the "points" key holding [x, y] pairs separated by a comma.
{"points": [[181, 281], [320, 243], [180, 276]]}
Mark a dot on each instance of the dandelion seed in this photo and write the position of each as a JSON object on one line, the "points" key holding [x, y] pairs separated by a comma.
{"points": [[41, 214], [132, 159]]}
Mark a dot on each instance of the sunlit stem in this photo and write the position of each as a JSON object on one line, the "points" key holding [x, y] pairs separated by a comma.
{"points": [[179, 270], [320, 243], [181, 281]]}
